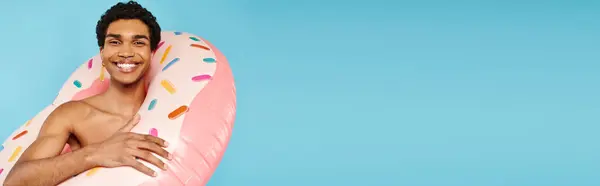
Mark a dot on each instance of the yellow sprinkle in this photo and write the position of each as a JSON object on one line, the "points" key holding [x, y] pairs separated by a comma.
{"points": [[14, 155], [92, 171], [168, 86], [162, 60], [28, 122], [102, 74]]}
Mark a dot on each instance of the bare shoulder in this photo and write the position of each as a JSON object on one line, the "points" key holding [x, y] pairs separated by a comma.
{"points": [[55, 131], [66, 114]]}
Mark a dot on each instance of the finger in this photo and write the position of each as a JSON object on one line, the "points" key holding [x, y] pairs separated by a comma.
{"points": [[157, 140], [150, 138], [131, 123], [147, 156], [140, 167], [154, 148]]}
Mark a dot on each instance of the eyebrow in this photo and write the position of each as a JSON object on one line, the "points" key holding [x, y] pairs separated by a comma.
{"points": [[118, 36]]}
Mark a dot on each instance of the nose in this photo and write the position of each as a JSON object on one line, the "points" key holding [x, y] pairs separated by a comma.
{"points": [[126, 52]]}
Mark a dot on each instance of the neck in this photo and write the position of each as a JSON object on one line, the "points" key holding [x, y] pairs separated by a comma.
{"points": [[125, 99]]}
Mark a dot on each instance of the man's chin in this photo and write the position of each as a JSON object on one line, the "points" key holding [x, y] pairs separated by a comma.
{"points": [[126, 81]]}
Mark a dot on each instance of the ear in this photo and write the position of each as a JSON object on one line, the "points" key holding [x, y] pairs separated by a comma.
{"points": [[101, 51]]}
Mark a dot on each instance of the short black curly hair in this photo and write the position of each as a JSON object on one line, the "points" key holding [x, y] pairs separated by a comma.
{"points": [[129, 10]]}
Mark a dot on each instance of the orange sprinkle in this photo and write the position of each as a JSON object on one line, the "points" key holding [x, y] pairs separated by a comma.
{"points": [[15, 153], [20, 134], [178, 112], [200, 46], [162, 60], [92, 171]]}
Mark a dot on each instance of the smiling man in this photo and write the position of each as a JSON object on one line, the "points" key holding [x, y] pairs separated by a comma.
{"points": [[97, 128]]}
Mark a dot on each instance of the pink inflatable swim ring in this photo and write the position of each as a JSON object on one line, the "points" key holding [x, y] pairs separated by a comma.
{"points": [[190, 103]]}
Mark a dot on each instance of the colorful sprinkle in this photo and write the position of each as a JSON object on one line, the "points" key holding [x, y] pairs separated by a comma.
{"points": [[27, 123], [194, 38], [201, 77], [177, 33], [209, 60], [1, 147], [92, 171], [15, 153], [162, 60], [90, 63], [19, 135], [199, 46], [168, 86], [152, 104], [154, 132], [1, 170], [77, 83], [102, 74], [178, 112], [159, 45], [170, 63]]}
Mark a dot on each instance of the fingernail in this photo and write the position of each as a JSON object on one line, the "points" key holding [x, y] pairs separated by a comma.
{"points": [[154, 174], [166, 144], [170, 156], [165, 167]]}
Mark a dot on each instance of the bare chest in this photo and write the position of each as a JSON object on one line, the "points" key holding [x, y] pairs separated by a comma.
{"points": [[97, 127]]}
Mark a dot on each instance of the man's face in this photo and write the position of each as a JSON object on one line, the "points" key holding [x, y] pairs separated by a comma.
{"points": [[126, 53]]}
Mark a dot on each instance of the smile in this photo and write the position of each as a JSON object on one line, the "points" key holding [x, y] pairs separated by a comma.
{"points": [[127, 67]]}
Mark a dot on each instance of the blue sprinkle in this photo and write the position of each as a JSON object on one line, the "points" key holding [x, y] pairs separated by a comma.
{"points": [[194, 38], [77, 83], [152, 104], [1, 147], [209, 60], [170, 63], [177, 33]]}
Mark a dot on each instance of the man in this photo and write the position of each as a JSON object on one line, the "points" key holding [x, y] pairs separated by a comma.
{"points": [[97, 128]]}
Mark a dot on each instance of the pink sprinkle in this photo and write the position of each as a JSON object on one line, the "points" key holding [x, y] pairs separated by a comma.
{"points": [[154, 132], [201, 77], [90, 63], [1, 170], [159, 45]]}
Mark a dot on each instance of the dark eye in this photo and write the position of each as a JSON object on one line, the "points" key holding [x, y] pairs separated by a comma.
{"points": [[113, 42], [139, 43]]}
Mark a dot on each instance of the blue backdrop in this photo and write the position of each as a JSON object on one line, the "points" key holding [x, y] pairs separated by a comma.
{"points": [[355, 93]]}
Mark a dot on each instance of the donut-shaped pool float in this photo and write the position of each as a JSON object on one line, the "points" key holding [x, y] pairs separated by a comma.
{"points": [[190, 103]]}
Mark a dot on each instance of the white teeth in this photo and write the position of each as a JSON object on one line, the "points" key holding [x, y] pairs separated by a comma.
{"points": [[126, 65]]}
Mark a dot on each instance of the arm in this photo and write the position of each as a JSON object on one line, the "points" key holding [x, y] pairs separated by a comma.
{"points": [[41, 163]]}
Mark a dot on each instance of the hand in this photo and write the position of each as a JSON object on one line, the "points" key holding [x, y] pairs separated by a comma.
{"points": [[123, 148]]}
